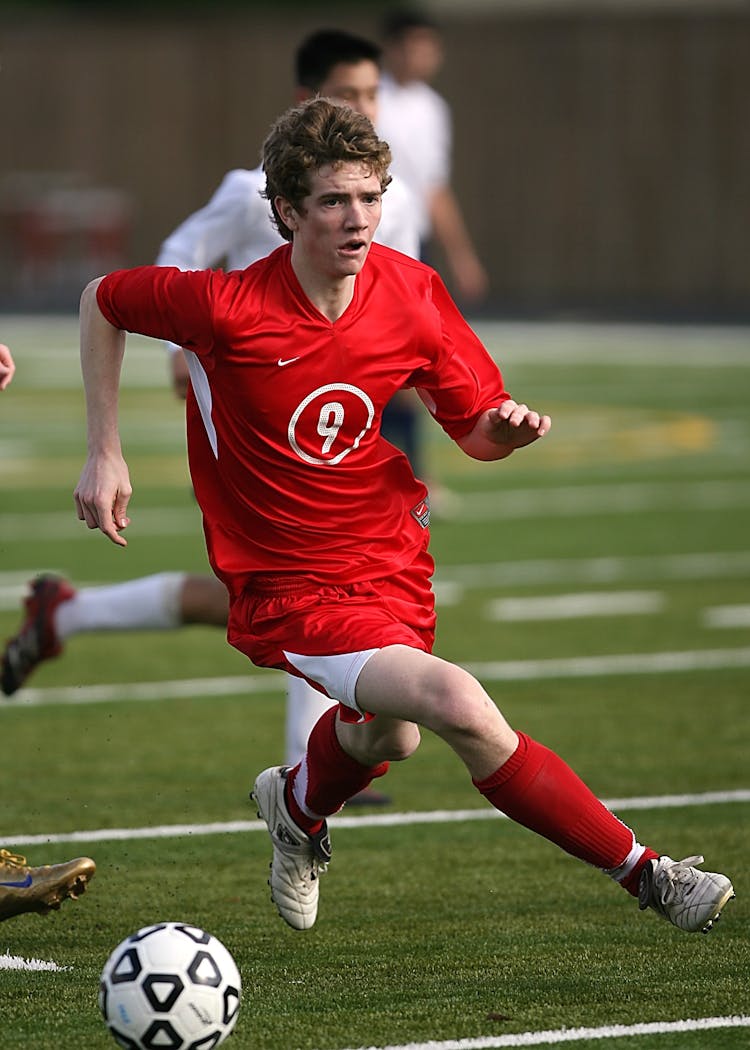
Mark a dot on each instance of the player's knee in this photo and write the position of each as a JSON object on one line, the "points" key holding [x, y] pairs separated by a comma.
{"points": [[379, 741], [460, 705], [402, 744]]}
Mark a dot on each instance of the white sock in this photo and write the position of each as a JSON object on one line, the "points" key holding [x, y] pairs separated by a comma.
{"points": [[304, 706], [623, 870], [148, 603]]}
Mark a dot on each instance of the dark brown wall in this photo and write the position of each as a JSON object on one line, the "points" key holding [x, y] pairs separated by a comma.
{"points": [[616, 154], [602, 161]]}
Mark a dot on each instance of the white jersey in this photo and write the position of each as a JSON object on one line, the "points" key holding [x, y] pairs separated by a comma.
{"points": [[236, 226], [416, 123]]}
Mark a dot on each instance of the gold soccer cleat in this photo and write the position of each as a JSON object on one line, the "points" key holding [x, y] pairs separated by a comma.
{"points": [[24, 889]]}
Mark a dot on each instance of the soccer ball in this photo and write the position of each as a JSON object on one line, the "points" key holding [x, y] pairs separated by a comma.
{"points": [[170, 986]]}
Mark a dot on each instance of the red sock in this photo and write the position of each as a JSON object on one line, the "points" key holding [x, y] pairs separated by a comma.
{"points": [[326, 777], [537, 789]]}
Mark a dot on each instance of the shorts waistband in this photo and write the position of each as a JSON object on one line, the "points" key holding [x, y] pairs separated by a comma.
{"points": [[280, 584]]}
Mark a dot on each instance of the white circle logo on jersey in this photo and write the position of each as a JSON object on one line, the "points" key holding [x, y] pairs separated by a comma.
{"points": [[330, 423]]}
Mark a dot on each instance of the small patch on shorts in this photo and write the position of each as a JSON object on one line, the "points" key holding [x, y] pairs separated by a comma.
{"points": [[421, 513]]}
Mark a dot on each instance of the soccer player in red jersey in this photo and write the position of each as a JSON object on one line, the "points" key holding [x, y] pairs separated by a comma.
{"points": [[317, 525]]}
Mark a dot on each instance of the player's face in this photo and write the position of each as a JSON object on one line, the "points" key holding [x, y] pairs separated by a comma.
{"points": [[356, 85], [419, 54], [336, 223]]}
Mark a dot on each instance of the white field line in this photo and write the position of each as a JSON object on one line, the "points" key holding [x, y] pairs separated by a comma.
{"points": [[451, 580], [17, 962], [378, 820], [575, 606], [47, 358], [606, 569], [63, 525], [630, 345], [46, 349], [493, 671], [575, 1035], [578, 500], [611, 665], [727, 616], [176, 689], [569, 501]]}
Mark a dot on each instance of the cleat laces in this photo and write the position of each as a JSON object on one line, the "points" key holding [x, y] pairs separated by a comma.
{"points": [[13, 860], [677, 880]]}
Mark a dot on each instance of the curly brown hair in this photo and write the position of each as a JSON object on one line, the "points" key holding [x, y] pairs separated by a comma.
{"points": [[309, 136]]}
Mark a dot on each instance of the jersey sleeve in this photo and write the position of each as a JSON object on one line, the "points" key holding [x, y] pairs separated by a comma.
{"points": [[164, 303], [210, 234], [463, 381]]}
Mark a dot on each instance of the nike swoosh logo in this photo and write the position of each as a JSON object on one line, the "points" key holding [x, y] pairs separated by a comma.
{"points": [[281, 362], [18, 885]]}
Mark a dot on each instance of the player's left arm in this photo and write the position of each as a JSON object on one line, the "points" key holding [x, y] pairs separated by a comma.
{"points": [[103, 491], [464, 378], [501, 430]]}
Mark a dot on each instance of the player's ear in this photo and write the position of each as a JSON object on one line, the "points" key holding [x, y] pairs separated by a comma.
{"points": [[287, 213]]}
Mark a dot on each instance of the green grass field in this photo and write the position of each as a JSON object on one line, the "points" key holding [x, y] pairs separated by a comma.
{"points": [[631, 522]]}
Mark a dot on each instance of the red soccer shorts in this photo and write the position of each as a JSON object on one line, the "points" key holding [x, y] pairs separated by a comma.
{"points": [[326, 633]]}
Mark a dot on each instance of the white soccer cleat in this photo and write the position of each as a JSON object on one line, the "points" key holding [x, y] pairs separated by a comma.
{"points": [[298, 858], [688, 898]]}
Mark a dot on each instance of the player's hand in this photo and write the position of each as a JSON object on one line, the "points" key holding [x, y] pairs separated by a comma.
{"points": [[514, 425], [102, 496], [7, 366], [180, 373], [472, 282]]}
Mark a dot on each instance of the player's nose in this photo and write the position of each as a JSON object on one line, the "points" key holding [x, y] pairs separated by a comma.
{"points": [[357, 216]]}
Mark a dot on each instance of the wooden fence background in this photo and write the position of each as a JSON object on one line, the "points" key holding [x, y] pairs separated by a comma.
{"points": [[602, 156]]}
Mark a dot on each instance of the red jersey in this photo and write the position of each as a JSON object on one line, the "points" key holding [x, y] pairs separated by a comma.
{"points": [[283, 418]]}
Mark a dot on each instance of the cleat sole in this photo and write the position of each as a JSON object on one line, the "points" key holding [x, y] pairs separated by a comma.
{"points": [[730, 896]]}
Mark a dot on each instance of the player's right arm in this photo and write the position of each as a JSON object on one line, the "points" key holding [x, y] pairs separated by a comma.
{"points": [[103, 491], [156, 301]]}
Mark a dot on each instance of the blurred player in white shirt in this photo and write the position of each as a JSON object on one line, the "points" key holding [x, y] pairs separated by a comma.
{"points": [[416, 122]]}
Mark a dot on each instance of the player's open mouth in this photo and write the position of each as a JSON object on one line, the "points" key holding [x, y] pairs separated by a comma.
{"points": [[351, 247]]}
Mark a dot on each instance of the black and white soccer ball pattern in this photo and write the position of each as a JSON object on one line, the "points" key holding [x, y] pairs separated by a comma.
{"points": [[170, 986]]}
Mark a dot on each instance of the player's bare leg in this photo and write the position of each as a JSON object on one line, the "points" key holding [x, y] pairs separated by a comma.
{"points": [[37, 639], [516, 774], [203, 600], [408, 685], [304, 706], [55, 611]]}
